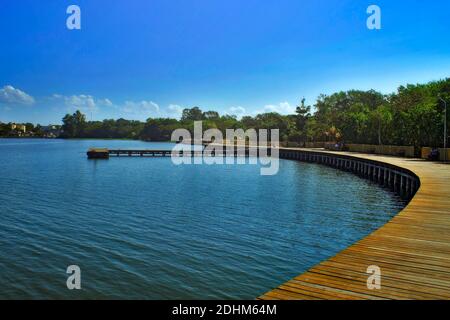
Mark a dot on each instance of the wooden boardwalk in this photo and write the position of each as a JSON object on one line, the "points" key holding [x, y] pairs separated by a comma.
{"points": [[412, 250]]}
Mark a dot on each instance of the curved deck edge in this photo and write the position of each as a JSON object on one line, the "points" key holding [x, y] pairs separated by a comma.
{"points": [[412, 250]]}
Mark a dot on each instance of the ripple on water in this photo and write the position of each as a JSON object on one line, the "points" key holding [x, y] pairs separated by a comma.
{"points": [[146, 229]]}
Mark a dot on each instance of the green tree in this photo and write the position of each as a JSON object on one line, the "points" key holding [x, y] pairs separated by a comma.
{"points": [[382, 117], [68, 126], [74, 125], [303, 115], [211, 115], [411, 116], [193, 114]]}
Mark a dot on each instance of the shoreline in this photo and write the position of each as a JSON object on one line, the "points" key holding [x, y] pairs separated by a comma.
{"points": [[69, 139]]}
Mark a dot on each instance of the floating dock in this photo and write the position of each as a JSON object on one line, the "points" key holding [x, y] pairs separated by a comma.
{"points": [[98, 153]]}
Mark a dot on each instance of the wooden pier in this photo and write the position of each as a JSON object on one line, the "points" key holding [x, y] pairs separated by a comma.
{"points": [[96, 153], [412, 250], [104, 153]]}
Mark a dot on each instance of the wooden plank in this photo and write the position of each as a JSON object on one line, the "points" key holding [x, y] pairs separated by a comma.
{"points": [[412, 250]]}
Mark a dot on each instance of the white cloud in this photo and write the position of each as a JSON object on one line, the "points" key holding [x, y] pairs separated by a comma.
{"points": [[282, 108], [88, 103], [105, 103], [145, 109], [174, 110], [82, 102], [140, 108], [11, 95], [236, 111]]}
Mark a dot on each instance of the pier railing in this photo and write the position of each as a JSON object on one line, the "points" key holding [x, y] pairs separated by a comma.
{"points": [[400, 180]]}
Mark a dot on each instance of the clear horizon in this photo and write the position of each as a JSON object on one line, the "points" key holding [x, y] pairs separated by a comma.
{"points": [[139, 60]]}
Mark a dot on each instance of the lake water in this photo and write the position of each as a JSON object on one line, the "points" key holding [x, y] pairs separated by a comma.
{"points": [[147, 229]]}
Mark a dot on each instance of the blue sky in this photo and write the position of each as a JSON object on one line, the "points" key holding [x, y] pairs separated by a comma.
{"points": [[139, 59]]}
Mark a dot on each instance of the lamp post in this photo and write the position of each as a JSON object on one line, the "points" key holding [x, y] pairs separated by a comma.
{"points": [[445, 127]]}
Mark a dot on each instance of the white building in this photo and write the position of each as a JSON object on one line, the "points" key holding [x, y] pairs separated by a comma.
{"points": [[19, 127]]}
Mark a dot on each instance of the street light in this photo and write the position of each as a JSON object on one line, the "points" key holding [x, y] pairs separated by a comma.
{"points": [[445, 128]]}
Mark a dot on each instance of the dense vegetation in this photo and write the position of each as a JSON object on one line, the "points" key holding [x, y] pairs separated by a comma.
{"points": [[31, 130], [411, 116]]}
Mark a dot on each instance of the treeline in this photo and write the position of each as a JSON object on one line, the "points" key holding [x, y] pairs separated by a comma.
{"points": [[31, 130], [414, 115], [76, 126]]}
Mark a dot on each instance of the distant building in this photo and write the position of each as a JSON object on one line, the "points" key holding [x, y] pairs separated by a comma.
{"points": [[51, 131], [48, 128], [18, 127]]}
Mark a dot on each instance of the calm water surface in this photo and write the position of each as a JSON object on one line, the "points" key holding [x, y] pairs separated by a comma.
{"points": [[146, 229]]}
